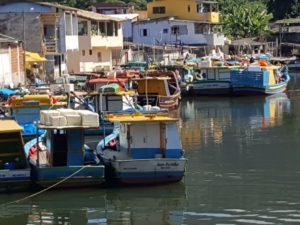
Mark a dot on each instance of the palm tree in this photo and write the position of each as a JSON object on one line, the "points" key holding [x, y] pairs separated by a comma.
{"points": [[245, 19]]}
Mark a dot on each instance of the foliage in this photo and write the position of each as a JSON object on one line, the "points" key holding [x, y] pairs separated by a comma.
{"points": [[284, 8], [243, 18]]}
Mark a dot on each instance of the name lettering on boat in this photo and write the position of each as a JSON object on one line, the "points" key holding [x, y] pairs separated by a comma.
{"points": [[167, 165]]}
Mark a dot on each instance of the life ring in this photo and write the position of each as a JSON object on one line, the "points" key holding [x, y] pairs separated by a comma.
{"points": [[198, 75], [32, 152], [112, 143]]}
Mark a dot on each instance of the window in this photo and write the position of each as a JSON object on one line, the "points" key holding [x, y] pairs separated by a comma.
{"points": [[94, 28], [202, 8], [179, 30], [83, 52], [82, 28], [110, 28], [99, 56], [166, 30], [144, 32], [189, 8], [159, 10], [116, 27], [199, 28], [91, 52], [102, 28]]}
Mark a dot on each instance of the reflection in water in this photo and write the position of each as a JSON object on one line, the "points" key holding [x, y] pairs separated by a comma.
{"points": [[243, 168], [209, 118], [127, 206]]}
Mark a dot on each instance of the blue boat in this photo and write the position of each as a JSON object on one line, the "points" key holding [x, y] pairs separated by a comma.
{"points": [[259, 79], [14, 169], [146, 149], [61, 157], [26, 111]]}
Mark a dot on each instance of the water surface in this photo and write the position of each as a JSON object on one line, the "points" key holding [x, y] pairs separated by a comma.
{"points": [[243, 168]]}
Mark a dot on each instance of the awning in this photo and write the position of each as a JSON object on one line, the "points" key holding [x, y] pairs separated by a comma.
{"points": [[34, 57]]}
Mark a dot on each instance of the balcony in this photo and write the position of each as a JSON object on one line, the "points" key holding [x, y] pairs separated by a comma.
{"points": [[98, 41], [214, 39]]}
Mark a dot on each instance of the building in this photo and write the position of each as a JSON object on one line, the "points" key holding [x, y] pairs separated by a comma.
{"points": [[11, 62], [55, 31], [112, 8], [180, 22], [100, 43]]}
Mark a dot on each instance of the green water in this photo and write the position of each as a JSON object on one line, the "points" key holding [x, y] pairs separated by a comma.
{"points": [[243, 168]]}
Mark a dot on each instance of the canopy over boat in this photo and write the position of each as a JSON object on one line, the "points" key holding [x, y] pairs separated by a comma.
{"points": [[139, 117], [9, 126]]}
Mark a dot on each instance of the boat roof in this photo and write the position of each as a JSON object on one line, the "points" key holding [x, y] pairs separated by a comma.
{"points": [[139, 117], [9, 126], [151, 78], [107, 80]]}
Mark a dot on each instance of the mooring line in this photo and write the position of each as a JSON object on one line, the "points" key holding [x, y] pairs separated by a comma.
{"points": [[46, 189]]}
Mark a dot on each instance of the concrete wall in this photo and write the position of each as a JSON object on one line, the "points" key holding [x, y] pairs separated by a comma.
{"points": [[12, 64], [88, 62], [13, 24], [157, 36]]}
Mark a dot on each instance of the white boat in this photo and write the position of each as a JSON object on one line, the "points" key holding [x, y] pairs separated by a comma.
{"points": [[146, 149]]}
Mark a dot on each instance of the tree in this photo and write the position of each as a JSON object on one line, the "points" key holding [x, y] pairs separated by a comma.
{"points": [[284, 8], [244, 18]]}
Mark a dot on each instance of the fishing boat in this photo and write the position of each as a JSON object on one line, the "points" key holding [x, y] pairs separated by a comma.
{"points": [[144, 149], [211, 76], [14, 169], [26, 110], [158, 89], [60, 157], [259, 78]]}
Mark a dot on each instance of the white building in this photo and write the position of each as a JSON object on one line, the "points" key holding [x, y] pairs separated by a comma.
{"points": [[173, 31]]}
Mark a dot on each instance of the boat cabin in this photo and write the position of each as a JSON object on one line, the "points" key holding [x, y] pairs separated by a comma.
{"points": [[64, 149], [148, 135], [14, 169]]}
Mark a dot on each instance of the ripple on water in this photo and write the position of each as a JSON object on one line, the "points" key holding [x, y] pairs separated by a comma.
{"points": [[253, 221]]}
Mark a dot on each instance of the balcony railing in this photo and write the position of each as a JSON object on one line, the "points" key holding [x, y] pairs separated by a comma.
{"points": [[50, 46]]}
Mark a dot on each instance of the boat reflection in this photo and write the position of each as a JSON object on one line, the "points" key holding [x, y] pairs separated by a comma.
{"points": [[126, 206], [207, 119]]}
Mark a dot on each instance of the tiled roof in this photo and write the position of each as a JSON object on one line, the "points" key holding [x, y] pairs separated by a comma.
{"points": [[82, 13]]}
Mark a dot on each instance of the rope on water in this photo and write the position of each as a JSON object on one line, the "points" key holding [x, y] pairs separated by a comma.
{"points": [[46, 189]]}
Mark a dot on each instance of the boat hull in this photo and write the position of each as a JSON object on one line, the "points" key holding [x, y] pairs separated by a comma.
{"points": [[256, 90], [211, 87], [86, 176], [147, 171], [15, 179]]}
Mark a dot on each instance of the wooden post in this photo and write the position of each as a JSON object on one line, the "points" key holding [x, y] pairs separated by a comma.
{"points": [[162, 131]]}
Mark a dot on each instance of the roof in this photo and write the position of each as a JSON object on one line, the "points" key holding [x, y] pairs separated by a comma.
{"points": [[5, 38], [96, 16], [287, 21], [9, 126], [111, 5], [81, 13], [175, 19], [140, 117], [246, 41], [125, 16]]}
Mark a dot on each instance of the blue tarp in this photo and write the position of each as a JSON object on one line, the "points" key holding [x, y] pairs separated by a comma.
{"points": [[7, 92]]}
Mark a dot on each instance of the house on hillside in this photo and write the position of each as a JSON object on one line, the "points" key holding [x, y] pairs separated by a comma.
{"points": [[55, 31], [287, 33], [100, 43], [46, 28], [181, 23], [11, 62]]}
